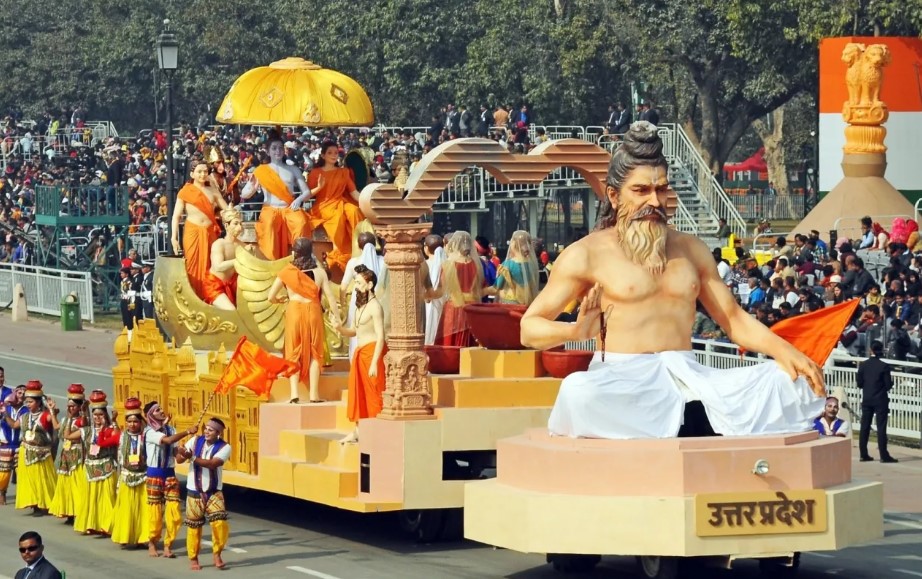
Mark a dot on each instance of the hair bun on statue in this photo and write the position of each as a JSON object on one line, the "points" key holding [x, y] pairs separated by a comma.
{"points": [[642, 141]]}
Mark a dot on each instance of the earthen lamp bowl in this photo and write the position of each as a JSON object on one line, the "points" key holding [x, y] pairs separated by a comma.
{"points": [[560, 363], [444, 359], [496, 326]]}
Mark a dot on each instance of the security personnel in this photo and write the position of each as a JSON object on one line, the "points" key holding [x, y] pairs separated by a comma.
{"points": [[147, 289]]}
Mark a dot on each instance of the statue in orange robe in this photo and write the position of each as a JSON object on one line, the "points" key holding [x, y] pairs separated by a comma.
{"points": [[198, 200], [367, 373], [220, 284], [335, 206], [304, 329], [281, 220]]}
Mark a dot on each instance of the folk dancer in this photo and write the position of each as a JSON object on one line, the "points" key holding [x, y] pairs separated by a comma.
{"points": [[829, 423], [36, 476], [147, 289], [12, 409], [127, 303], [366, 374], [198, 200], [207, 455], [462, 283], [100, 444], [517, 277], [162, 486], [304, 339], [130, 517], [281, 220], [220, 286], [369, 258], [336, 204], [71, 489], [435, 255], [642, 280]]}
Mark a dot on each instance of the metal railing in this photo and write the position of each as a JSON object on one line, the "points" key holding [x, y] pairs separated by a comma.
{"points": [[905, 397], [683, 151], [770, 207], [44, 288]]}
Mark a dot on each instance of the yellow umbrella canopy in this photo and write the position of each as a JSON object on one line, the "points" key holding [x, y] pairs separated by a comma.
{"points": [[295, 91]]}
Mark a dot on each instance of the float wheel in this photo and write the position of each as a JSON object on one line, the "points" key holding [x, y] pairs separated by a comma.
{"points": [[567, 563], [424, 525], [652, 567]]}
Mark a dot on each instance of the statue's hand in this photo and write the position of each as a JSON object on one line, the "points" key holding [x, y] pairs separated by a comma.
{"points": [[589, 320], [175, 243], [373, 371], [796, 363]]}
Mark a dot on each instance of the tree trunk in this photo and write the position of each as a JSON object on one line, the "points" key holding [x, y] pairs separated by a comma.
{"points": [[771, 135]]}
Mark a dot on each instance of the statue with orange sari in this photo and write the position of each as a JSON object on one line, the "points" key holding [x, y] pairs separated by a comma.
{"points": [[281, 220], [198, 200], [304, 281], [462, 284], [366, 374], [336, 204]]}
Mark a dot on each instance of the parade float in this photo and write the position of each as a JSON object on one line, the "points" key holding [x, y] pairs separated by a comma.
{"points": [[474, 436]]}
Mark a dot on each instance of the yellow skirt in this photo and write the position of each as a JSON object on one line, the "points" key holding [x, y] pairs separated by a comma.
{"points": [[96, 512], [131, 519], [69, 494], [35, 483]]}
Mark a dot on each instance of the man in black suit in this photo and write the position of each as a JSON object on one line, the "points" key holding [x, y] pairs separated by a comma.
{"points": [[32, 552], [624, 120], [875, 382]]}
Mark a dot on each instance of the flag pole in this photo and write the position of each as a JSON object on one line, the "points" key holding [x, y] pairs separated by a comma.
{"points": [[198, 423]]}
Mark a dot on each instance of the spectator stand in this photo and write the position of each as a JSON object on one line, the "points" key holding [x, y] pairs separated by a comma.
{"points": [[83, 229]]}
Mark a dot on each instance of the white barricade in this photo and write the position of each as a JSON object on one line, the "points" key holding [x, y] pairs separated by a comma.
{"points": [[46, 287]]}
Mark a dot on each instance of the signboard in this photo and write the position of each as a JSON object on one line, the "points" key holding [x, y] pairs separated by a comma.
{"points": [[760, 513]]}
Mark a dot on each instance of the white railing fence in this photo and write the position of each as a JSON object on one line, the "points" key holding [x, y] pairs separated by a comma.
{"points": [[905, 398], [45, 288]]}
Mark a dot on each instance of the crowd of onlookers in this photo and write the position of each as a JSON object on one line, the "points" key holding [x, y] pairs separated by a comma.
{"points": [[804, 273]]}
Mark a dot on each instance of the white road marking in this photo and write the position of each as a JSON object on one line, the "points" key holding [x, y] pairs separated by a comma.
{"points": [[310, 572], [907, 557], [909, 524], [231, 549], [908, 572], [823, 555], [57, 366]]}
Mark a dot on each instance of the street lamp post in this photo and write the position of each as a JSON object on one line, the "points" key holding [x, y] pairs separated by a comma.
{"points": [[167, 60]]}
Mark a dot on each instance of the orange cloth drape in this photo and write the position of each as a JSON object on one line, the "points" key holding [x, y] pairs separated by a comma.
{"points": [[213, 286], [196, 247], [278, 228], [270, 181], [365, 398], [253, 368], [196, 239], [817, 333], [335, 211], [304, 330]]}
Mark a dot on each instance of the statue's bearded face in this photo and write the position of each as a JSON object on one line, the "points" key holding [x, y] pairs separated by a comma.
{"points": [[641, 209]]}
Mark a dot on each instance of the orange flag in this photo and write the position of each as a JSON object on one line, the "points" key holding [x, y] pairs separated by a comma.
{"points": [[817, 333], [253, 368]]}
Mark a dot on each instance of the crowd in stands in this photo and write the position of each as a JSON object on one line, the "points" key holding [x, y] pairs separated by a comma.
{"points": [[807, 274]]}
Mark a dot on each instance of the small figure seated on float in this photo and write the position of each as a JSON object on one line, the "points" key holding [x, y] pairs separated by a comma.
{"points": [[639, 282], [220, 287]]}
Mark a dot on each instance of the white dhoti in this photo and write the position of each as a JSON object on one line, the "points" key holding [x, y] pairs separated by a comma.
{"points": [[644, 396]]}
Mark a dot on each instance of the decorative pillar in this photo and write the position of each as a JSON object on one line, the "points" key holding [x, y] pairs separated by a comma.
{"points": [[408, 393]]}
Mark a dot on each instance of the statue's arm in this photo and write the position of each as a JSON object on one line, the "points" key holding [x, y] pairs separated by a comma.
{"points": [[742, 328], [218, 261], [250, 188], [302, 187], [377, 316], [568, 282], [177, 213]]}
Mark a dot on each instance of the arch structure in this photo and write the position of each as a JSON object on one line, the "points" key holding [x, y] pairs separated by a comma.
{"points": [[386, 204]]}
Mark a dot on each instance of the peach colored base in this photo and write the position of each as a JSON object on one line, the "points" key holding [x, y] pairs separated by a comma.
{"points": [[671, 467]]}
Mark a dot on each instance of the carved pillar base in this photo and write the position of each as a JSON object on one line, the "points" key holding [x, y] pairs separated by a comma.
{"points": [[408, 392], [864, 139]]}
